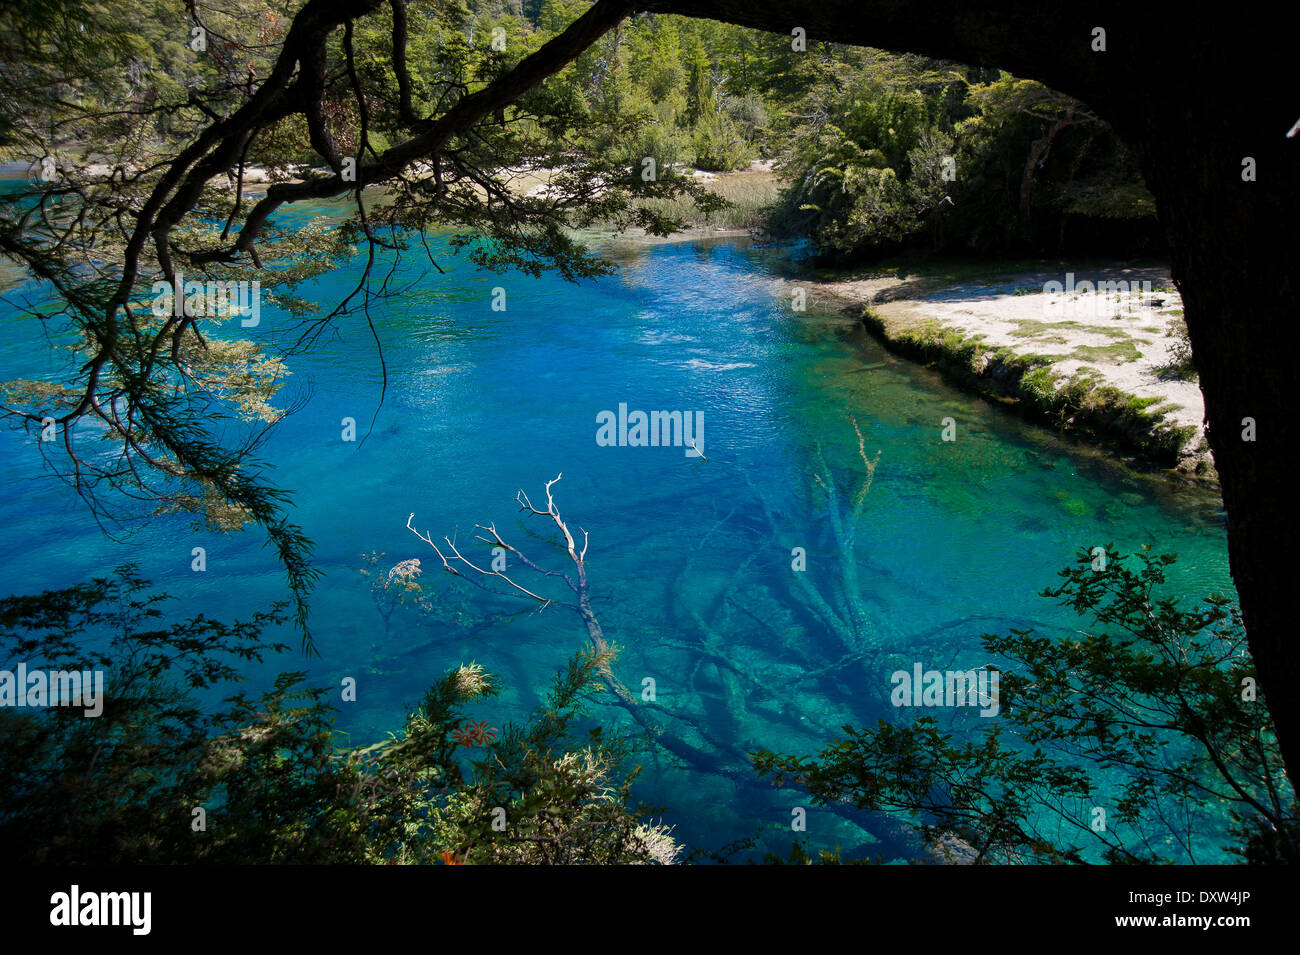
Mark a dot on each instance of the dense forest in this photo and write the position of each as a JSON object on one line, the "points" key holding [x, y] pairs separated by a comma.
{"points": [[877, 151]]}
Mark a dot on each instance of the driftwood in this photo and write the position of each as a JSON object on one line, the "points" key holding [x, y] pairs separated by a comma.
{"points": [[656, 721]]}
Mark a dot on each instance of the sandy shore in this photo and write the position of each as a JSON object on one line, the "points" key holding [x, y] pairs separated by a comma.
{"points": [[1082, 348]]}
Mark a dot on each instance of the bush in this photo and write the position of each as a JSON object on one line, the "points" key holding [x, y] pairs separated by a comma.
{"points": [[718, 144], [268, 773], [1150, 713], [1180, 364]]}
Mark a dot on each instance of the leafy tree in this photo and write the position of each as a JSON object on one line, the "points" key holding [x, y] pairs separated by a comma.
{"points": [[718, 143], [270, 773], [1150, 715], [920, 152], [412, 96]]}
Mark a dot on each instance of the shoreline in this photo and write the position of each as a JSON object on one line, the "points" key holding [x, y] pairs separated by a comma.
{"points": [[1066, 356], [1082, 363]]}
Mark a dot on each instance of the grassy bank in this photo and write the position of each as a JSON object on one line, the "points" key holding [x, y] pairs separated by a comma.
{"points": [[1107, 367], [748, 192]]}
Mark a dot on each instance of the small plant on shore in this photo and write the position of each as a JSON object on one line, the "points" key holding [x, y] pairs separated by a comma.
{"points": [[1180, 364], [1039, 385]]}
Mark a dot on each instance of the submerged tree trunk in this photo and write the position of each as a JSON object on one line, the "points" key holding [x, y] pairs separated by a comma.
{"points": [[1201, 101]]}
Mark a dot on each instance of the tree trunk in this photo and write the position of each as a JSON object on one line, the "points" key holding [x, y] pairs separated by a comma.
{"points": [[1238, 279]]}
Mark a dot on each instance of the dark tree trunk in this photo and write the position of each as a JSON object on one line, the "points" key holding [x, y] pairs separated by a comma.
{"points": [[1235, 266], [1194, 95]]}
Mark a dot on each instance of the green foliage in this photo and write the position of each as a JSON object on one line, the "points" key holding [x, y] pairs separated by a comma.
{"points": [[1148, 714], [146, 138], [270, 772], [718, 143], [1180, 364], [908, 151], [136, 149]]}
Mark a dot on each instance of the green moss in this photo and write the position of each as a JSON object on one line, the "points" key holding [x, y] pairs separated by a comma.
{"points": [[1033, 328], [1073, 505], [1029, 381], [1118, 352]]}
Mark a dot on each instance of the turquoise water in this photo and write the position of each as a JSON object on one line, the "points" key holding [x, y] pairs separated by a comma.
{"points": [[690, 560]]}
